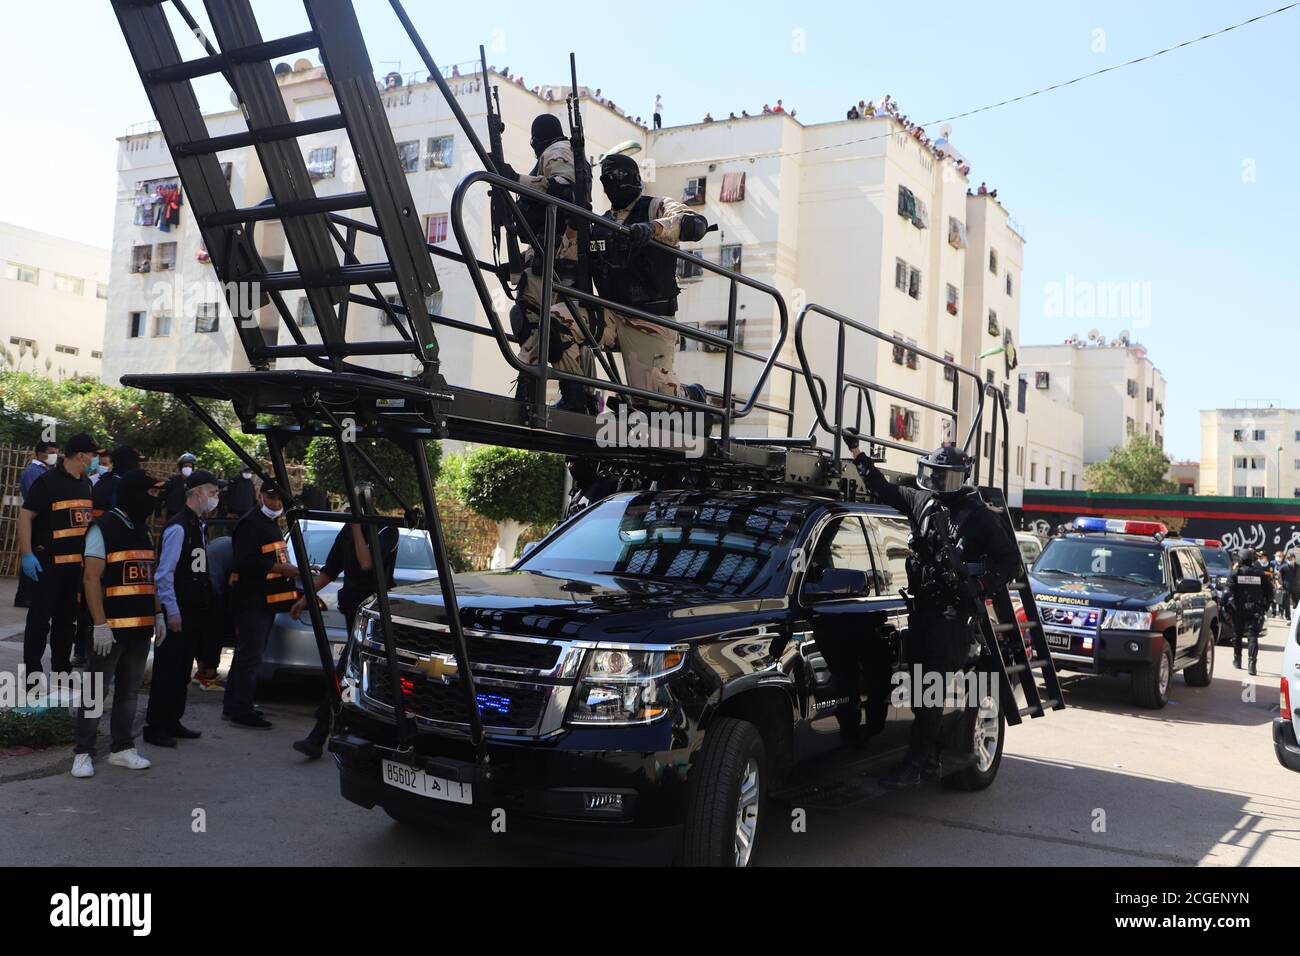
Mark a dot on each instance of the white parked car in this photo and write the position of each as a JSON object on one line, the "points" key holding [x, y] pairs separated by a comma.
{"points": [[1286, 726], [1030, 547]]}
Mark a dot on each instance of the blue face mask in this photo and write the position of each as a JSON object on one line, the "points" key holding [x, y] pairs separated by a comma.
{"points": [[94, 463]]}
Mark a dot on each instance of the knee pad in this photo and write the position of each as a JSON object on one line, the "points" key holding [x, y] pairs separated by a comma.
{"points": [[521, 322]]}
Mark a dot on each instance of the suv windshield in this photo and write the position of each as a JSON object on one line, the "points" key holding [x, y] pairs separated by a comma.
{"points": [[1103, 558], [1216, 559], [734, 544]]}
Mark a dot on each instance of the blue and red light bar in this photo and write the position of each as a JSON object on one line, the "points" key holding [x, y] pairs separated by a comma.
{"points": [[1153, 529], [1206, 542]]}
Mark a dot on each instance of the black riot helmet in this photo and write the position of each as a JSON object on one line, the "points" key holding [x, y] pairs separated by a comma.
{"points": [[621, 178], [1247, 557], [546, 130], [944, 470]]}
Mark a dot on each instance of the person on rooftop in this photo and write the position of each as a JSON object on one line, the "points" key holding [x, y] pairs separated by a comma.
{"points": [[779, 108]]}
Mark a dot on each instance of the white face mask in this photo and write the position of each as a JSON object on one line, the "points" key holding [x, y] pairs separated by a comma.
{"points": [[51, 460], [272, 514], [245, 475], [187, 471]]}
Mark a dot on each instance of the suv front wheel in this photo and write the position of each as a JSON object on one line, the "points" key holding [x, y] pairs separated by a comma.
{"points": [[728, 792], [1151, 681]]}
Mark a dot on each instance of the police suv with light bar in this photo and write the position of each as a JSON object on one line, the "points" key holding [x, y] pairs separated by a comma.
{"points": [[1123, 597]]}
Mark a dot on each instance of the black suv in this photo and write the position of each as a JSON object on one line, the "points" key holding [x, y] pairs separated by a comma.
{"points": [[659, 666], [1119, 597]]}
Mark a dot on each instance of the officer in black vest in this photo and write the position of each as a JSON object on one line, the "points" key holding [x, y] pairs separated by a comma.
{"points": [[1250, 592], [185, 593], [263, 582], [52, 526], [940, 621], [173, 495], [240, 494], [103, 498], [123, 604]]}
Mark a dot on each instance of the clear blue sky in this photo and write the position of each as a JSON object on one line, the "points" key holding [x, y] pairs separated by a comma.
{"points": [[1135, 176]]}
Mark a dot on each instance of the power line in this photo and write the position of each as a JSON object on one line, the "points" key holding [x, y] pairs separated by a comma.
{"points": [[1047, 89]]}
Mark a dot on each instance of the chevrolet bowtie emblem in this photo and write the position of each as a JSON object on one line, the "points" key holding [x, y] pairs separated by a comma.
{"points": [[438, 668]]}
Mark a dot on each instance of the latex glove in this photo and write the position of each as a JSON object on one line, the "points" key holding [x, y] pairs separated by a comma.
{"points": [[32, 566], [102, 640], [159, 629]]}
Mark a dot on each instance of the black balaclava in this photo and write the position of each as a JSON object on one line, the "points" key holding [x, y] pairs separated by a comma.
{"points": [[546, 130], [621, 178], [133, 495], [125, 459]]}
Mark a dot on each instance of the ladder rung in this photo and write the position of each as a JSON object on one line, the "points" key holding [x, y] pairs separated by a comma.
{"points": [[251, 137], [300, 207], [1042, 707], [313, 349], [207, 65], [358, 274]]}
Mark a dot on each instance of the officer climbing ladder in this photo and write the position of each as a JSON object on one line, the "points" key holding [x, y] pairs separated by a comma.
{"points": [[343, 398]]}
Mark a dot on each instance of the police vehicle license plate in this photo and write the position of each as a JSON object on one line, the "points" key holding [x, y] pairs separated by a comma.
{"points": [[423, 784], [1061, 642]]}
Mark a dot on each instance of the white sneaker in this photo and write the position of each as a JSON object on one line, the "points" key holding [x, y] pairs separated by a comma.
{"points": [[83, 766], [129, 759]]}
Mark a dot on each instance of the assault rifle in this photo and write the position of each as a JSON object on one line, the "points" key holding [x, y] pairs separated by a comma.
{"points": [[500, 206]]}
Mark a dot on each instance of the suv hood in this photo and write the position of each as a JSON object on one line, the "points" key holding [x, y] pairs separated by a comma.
{"points": [[1102, 592], [583, 606]]}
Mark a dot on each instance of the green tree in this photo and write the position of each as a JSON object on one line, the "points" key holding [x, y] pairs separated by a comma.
{"points": [[514, 488], [324, 471], [1138, 468]]}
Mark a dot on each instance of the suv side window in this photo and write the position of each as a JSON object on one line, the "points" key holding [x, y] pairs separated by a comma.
{"points": [[892, 535], [1179, 567], [1196, 564], [842, 544]]}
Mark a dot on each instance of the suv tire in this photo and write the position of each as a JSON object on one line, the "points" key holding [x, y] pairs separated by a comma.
{"points": [[985, 728], [728, 793], [1151, 681], [1202, 672]]}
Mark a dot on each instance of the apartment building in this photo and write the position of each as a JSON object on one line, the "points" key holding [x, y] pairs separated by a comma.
{"points": [[1113, 385], [53, 300], [856, 216], [1250, 452]]}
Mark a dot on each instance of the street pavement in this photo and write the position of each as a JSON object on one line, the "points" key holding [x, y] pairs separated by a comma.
{"points": [[1102, 783]]}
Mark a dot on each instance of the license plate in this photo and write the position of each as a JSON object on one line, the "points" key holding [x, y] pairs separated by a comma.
{"points": [[423, 784], [1062, 642]]}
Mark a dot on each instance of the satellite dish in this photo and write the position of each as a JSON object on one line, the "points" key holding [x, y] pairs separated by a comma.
{"points": [[1094, 335], [1122, 338], [283, 69], [946, 130], [302, 63], [626, 148], [234, 99]]}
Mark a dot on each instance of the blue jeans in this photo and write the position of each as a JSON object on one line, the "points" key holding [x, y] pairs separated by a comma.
{"points": [[123, 668]]}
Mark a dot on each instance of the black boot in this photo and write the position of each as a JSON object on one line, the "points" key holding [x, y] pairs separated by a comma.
{"points": [[313, 745], [1252, 667], [1236, 660], [524, 388], [933, 769], [573, 398], [903, 777]]}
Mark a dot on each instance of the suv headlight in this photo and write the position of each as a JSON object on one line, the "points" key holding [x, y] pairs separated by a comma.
{"points": [[624, 686], [1127, 620]]}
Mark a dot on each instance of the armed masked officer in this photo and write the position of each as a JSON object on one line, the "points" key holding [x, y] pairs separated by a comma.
{"points": [[1250, 592], [553, 174], [941, 623], [628, 270]]}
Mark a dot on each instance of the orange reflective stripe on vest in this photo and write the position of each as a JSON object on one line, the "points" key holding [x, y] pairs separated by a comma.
{"points": [[122, 622]]}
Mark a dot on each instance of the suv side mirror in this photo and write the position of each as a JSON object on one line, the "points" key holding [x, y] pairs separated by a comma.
{"points": [[530, 546], [836, 583], [1189, 586]]}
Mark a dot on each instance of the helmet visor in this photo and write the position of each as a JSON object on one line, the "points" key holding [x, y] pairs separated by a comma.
{"points": [[939, 480]]}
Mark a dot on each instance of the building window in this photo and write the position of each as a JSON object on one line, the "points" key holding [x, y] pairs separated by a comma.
{"points": [[952, 299], [135, 325], [1151, 394], [902, 423], [1239, 491], [1257, 491], [1042, 380], [956, 233], [306, 317], [1047, 475], [994, 328], [153, 198], [67, 349], [320, 162], [1238, 435], [900, 275], [686, 269], [408, 155], [1009, 292], [693, 194], [1132, 388], [993, 261], [205, 317], [733, 187], [1033, 471], [21, 342], [949, 373], [65, 283], [1022, 392], [1258, 434], [1239, 461], [439, 154], [1006, 394], [1297, 464], [1062, 481], [1258, 463], [435, 228], [1020, 461], [902, 354], [1129, 426], [914, 282], [96, 354], [101, 290], [1296, 493], [162, 325], [165, 257], [912, 208], [21, 273], [729, 256], [1297, 436], [142, 258]]}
